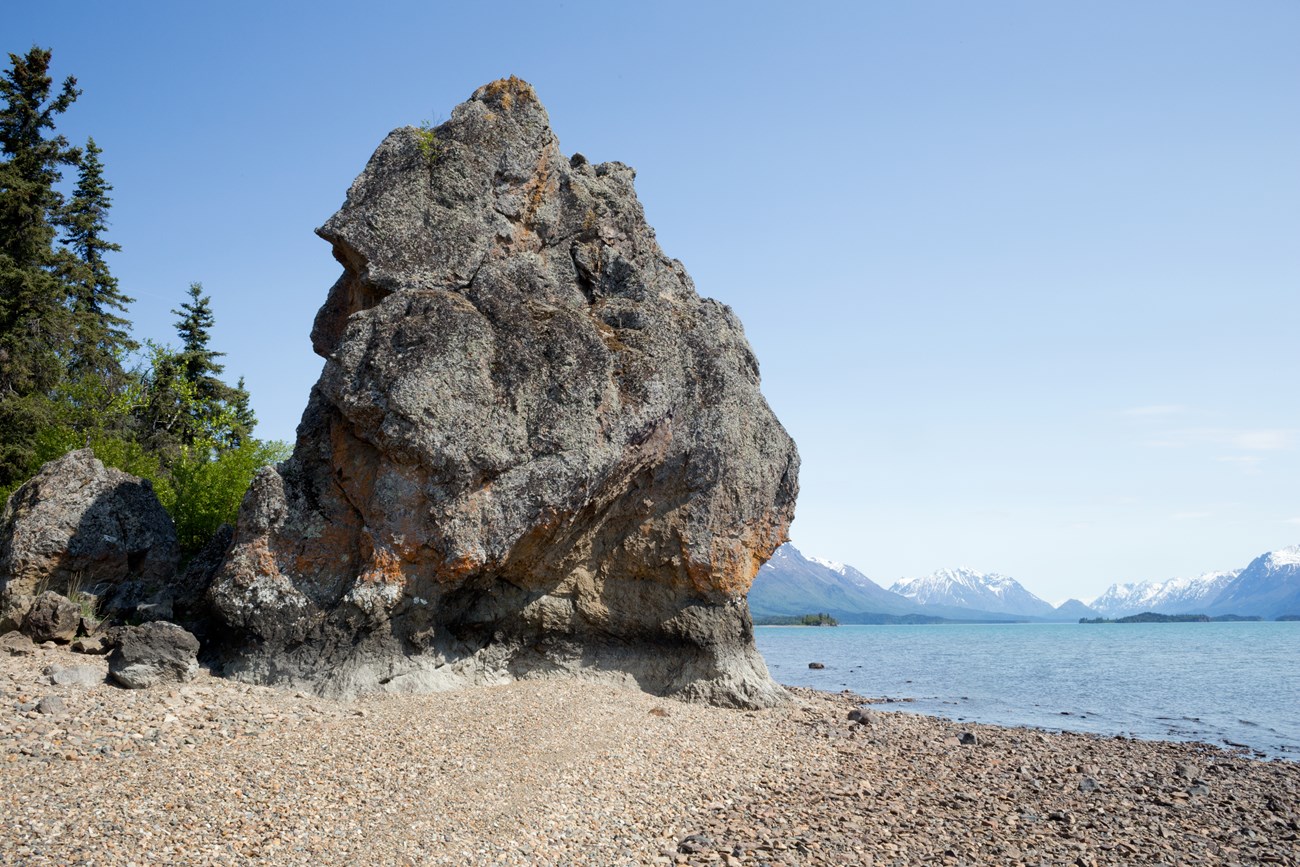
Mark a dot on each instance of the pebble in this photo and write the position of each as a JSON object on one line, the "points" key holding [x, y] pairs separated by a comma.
{"points": [[51, 704]]}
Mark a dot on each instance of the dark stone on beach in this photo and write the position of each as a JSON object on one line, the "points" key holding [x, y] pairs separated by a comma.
{"points": [[52, 618], [1199, 789], [816, 665], [968, 739], [154, 653], [697, 844], [1088, 784]]}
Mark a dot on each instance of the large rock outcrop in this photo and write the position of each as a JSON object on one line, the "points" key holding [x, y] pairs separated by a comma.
{"points": [[534, 449], [78, 526]]}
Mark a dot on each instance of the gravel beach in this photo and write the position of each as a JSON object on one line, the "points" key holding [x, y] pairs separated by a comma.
{"points": [[558, 772]]}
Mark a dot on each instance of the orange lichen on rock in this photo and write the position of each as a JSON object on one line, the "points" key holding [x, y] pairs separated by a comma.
{"points": [[505, 91], [454, 570], [385, 567], [262, 560]]}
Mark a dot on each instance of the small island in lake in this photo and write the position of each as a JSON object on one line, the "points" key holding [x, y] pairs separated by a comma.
{"points": [[1152, 617], [796, 620]]}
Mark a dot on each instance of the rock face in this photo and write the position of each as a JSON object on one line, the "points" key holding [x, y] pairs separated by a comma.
{"points": [[533, 450], [78, 526]]}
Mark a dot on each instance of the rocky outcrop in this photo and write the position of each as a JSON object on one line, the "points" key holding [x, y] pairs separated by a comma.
{"points": [[533, 450], [78, 527]]}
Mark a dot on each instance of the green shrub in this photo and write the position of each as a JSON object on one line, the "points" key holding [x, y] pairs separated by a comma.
{"points": [[206, 488], [427, 139]]}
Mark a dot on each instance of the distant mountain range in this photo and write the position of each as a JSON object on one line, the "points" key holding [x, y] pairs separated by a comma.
{"points": [[1177, 596], [966, 588], [792, 584], [1269, 587]]}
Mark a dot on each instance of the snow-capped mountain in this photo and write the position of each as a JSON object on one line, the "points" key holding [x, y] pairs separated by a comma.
{"points": [[1269, 587], [1176, 596], [966, 588], [791, 583], [832, 565]]}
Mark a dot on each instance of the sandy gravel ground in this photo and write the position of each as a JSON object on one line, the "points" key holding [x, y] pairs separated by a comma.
{"points": [[556, 772]]}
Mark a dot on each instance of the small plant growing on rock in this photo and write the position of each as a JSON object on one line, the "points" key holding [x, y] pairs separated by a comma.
{"points": [[86, 600], [427, 139]]}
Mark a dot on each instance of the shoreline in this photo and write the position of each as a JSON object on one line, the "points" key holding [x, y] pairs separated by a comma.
{"points": [[1223, 684], [565, 772]]}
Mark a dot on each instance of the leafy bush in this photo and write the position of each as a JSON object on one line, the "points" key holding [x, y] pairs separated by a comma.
{"points": [[206, 487]]}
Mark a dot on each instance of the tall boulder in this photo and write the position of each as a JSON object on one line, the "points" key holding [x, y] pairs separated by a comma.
{"points": [[80, 526], [533, 450]]}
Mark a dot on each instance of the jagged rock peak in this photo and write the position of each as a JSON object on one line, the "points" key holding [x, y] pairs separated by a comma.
{"points": [[534, 449]]}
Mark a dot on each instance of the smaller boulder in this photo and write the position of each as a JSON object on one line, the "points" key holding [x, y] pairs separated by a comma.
{"points": [[15, 643], [52, 618], [79, 524], [13, 609], [154, 653]]}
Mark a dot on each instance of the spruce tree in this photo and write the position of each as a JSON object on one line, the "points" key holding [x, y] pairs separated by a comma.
{"points": [[34, 324], [188, 404], [198, 361], [101, 337], [243, 420], [34, 318]]}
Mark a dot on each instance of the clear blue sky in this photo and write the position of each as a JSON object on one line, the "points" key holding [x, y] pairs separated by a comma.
{"points": [[1023, 277]]}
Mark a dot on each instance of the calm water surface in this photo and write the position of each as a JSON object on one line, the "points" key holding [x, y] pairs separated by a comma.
{"points": [[1222, 683]]}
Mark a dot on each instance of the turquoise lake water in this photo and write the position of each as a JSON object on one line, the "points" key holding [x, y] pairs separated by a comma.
{"points": [[1221, 683]]}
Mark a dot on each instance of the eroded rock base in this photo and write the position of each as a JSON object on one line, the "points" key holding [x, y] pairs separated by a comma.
{"points": [[680, 658]]}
